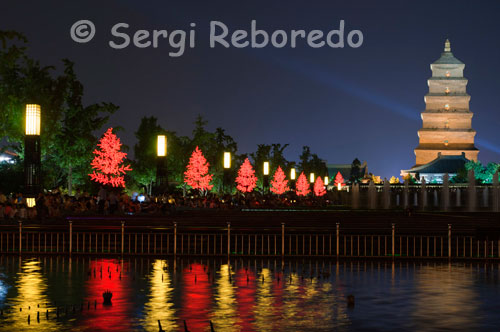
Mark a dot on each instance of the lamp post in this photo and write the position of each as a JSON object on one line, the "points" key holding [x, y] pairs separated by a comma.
{"points": [[326, 182], [32, 153], [226, 167], [161, 163], [265, 178], [293, 176]]}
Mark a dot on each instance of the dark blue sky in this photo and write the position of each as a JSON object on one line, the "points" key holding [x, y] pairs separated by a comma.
{"points": [[343, 103]]}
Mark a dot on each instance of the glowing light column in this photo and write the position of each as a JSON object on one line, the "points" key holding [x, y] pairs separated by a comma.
{"points": [[161, 164], [265, 178], [227, 166], [293, 177], [32, 152]]}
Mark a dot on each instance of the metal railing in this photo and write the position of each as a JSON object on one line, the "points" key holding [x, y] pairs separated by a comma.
{"points": [[291, 242]]}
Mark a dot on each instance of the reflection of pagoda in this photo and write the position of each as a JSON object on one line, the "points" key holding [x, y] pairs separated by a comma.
{"points": [[446, 129]]}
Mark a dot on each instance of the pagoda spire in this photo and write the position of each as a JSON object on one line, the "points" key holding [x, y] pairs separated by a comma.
{"points": [[447, 46]]}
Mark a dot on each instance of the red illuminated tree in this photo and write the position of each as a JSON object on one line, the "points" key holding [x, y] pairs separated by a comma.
{"points": [[246, 179], [279, 184], [196, 174], [108, 161], [339, 180], [319, 187], [302, 185]]}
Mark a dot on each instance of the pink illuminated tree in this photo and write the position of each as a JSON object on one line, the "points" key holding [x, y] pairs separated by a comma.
{"points": [[279, 184], [319, 187], [196, 174], [302, 185], [246, 179], [108, 161], [339, 179]]}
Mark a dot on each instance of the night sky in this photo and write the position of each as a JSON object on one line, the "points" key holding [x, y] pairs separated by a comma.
{"points": [[344, 103]]}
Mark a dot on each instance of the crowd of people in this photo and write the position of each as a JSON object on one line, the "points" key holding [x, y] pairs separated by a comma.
{"points": [[55, 204]]}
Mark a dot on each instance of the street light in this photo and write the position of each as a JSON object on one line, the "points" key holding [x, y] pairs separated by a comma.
{"points": [[161, 146], [326, 181], [266, 168], [293, 174], [226, 165], [265, 172], [161, 163], [33, 116], [311, 177], [227, 160], [32, 151]]}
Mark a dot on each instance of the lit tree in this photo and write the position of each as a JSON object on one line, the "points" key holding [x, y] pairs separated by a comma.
{"points": [[319, 187], [246, 179], [196, 174], [339, 179], [376, 179], [393, 180], [302, 185], [279, 184], [108, 161]]}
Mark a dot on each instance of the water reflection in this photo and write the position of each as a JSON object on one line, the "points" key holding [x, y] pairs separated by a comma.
{"points": [[27, 297], [245, 295], [224, 315], [103, 275], [449, 292], [159, 305]]}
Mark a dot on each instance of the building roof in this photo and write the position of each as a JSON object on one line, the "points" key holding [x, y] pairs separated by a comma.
{"points": [[447, 57], [441, 165], [345, 170]]}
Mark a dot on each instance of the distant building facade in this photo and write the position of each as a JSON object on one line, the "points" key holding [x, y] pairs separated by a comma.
{"points": [[346, 170], [434, 171], [447, 120]]}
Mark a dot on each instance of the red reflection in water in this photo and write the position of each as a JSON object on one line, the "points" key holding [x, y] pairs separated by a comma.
{"points": [[196, 297], [115, 317], [245, 296]]}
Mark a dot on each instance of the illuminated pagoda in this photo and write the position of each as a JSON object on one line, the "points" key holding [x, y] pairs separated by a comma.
{"points": [[446, 136]]}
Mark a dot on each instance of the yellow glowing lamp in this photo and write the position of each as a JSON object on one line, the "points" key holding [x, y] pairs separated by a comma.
{"points": [[292, 174], [30, 202], [33, 116], [161, 146], [339, 186], [326, 180], [266, 167], [311, 177], [227, 160]]}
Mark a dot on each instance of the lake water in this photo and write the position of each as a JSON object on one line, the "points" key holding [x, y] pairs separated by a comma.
{"points": [[246, 295]]}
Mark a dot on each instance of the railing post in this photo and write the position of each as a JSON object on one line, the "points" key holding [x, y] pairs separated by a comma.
{"points": [[123, 237], [175, 238], [20, 236], [282, 239], [70, 236], [228, 238], [393, 239], [449, 240], [338, 238]]}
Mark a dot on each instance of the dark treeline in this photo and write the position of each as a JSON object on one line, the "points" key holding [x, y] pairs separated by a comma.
{"points": [[68, 128]]}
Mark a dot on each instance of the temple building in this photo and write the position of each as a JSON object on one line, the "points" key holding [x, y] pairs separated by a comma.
{"points": [[446, 131]]}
